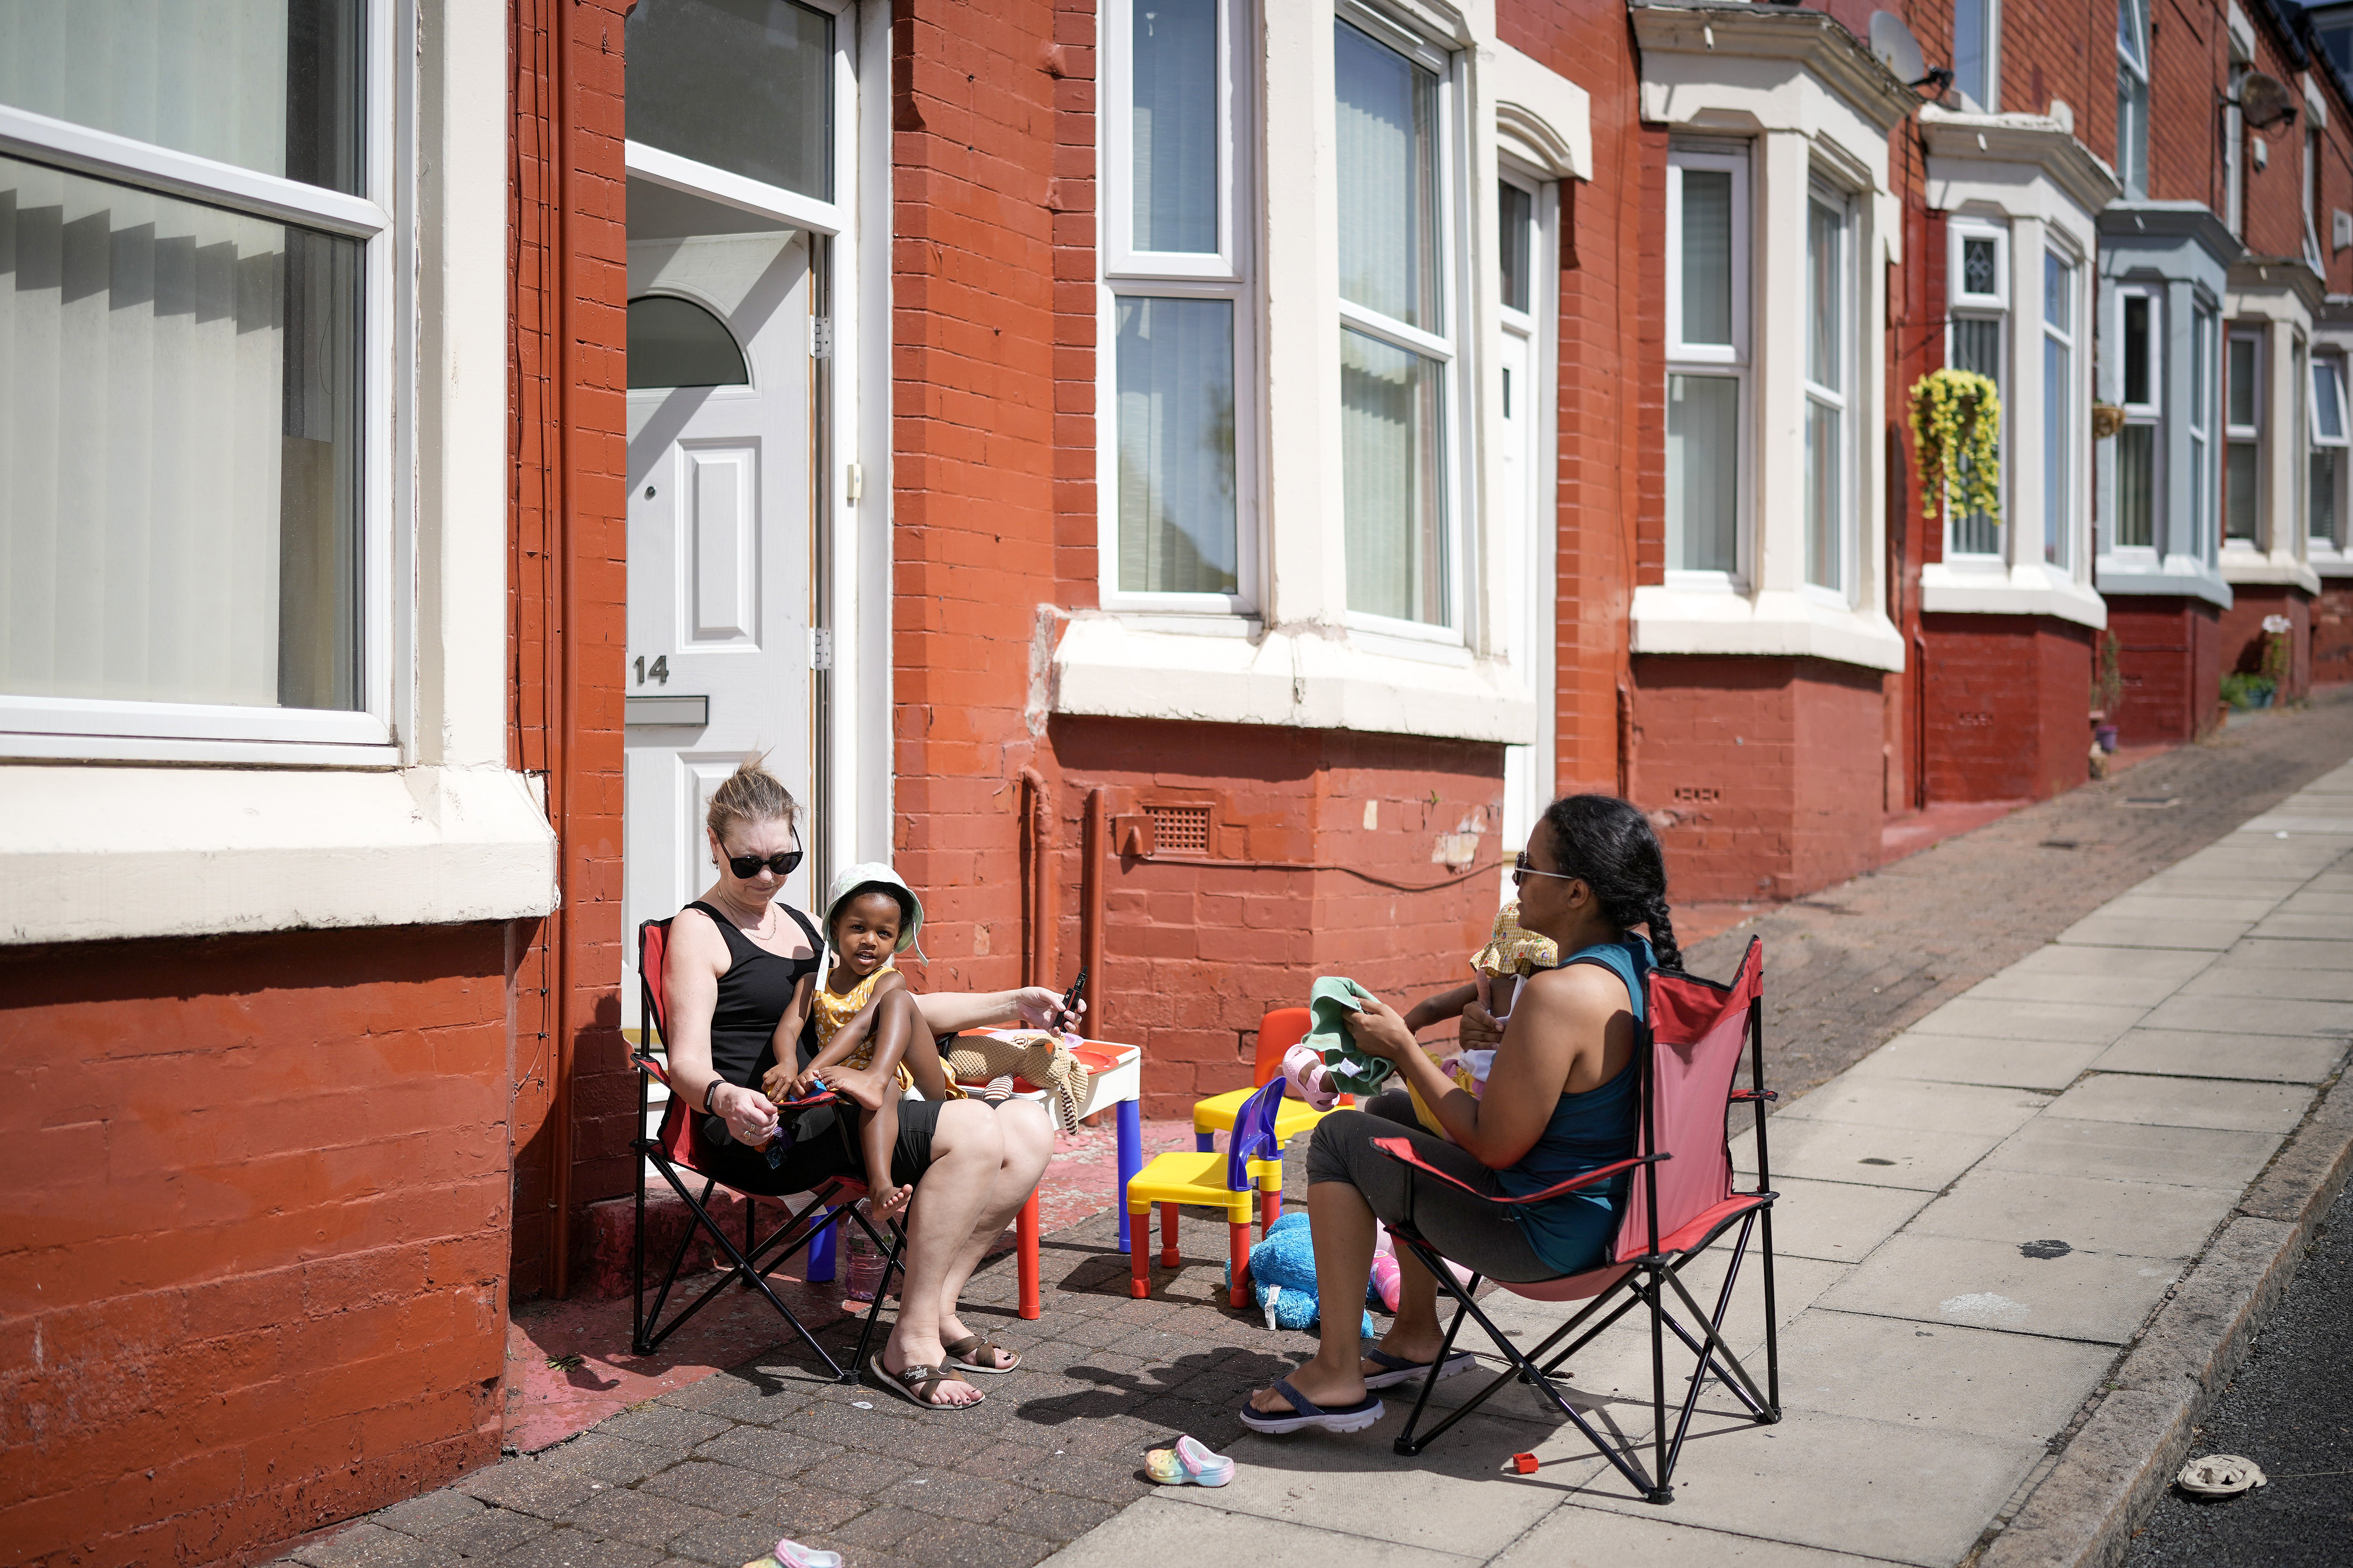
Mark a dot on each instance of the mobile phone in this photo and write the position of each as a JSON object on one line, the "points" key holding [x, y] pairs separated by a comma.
{"points": [[1070, 998]]}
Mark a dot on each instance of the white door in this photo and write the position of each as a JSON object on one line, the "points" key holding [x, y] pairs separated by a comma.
{"points": [[719, 565]]}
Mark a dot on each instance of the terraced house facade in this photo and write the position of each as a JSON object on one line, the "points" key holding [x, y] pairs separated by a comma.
{"points": [[1185, 480]]}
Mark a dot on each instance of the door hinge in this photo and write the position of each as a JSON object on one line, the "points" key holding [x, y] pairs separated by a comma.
{"points": [[820, 647], [820, 336]]}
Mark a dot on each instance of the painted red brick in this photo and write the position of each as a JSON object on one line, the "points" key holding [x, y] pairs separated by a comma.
{"points": [[2009, 701], [2332, 633], [2168, 653]]}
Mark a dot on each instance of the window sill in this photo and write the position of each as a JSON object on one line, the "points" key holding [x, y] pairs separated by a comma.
{"points": [[1109, 668], [91, 853], [2268, 569], [2140, 572], [2331, 563], [1995, 590], [1770, 625]]}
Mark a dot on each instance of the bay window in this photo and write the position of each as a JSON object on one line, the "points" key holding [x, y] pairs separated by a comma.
{"points": [[1829, 380], [1707, 355], [196, 419], [1177, 513], [2139, 313], [1979, 327], [2324, 511], [2132, 98], [2243, 401], [1398, 392], [2059, 417]]}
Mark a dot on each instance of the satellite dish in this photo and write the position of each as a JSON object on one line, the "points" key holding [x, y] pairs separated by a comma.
{"points": [[2264, 102], [1897, 49]]}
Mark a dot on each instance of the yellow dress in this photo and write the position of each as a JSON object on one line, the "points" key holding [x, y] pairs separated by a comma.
{"points": [[1511, 950], [835, 1010]]}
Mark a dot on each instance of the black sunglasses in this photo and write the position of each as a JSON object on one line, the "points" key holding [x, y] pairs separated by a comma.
{"points": [[748, 865]]}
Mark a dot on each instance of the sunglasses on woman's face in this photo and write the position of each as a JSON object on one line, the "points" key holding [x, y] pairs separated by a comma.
{"points": [[1522, 871], [747, 866]]}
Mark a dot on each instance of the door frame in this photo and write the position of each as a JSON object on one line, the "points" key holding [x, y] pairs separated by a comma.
{"points": [[850, 808]]}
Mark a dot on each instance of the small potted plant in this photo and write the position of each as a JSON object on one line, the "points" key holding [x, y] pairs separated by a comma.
{"points": [[2107, 691], [2279, 652]]}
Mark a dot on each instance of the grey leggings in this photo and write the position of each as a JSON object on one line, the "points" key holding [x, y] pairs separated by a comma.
{"points": [[1470, 1233]]}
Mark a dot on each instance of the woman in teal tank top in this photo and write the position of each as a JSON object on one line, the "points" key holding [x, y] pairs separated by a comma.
{"points": [[1560, 1100]]}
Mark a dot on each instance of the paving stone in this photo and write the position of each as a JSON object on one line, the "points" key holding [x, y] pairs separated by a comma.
{"points": [[1166, 1529], [722, 1488], [423, 1515], [529, 1486], [2300, 925], [491, 1532], [576, 1549], [1875, 1156], [2189, 900], [1869, 1100], [956, 1544], [2181, 1053], [1996, 1285], [2226, 977], [767, 1453], [2327, 957], [2170, 1156], [2057, 1023], [2183, 1102], [886, 1526], [2160, 966], [734, 1398], [857, 1475], [2014, 984], [645, 1518], [1839, 1221], [666, 1428], [371, 1545], [2232, 1015], [956, 1495], [728, 1542], [1957, 1058], [2016, 1386], [1580, 1535], [594, 1457], [2152, 931], [2094, 1213]]}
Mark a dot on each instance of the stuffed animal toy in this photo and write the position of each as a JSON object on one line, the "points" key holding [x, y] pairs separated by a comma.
{"points": [[1042, 1060], [1282, 1274]]}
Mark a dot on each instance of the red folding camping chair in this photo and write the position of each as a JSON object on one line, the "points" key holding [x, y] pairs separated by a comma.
{"points": [[1680, 1201], [672, 1151]]}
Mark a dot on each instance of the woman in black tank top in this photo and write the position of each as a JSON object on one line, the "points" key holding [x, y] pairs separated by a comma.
{"points": [[736, 978]]}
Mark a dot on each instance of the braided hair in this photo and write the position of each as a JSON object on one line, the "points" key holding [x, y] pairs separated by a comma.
{"points": [[1607, 844]]}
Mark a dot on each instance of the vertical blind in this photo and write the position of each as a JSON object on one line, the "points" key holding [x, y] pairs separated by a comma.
{"points": [[1176, 371]]}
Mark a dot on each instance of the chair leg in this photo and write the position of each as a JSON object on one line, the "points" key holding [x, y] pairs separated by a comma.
{"points": [[1139, 1256], [1270, 1208], [1025, 1257], [1167, 1236], [1238, 1250]]}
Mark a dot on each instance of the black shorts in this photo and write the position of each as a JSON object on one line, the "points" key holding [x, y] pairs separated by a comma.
{"points": [[825, 1145]]}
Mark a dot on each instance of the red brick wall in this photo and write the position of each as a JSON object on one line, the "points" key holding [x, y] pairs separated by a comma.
{"points": [[252, 1280], [567, 593], [1612, 423], [2169, 654], [1766, 774], [2243, 636], [2332, 632], [2009, 699], [2067, 52], [1198, 950]]}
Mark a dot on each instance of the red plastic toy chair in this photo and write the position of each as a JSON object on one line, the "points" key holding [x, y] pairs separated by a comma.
{"points": [[1680, 1202], [672, 1151]]}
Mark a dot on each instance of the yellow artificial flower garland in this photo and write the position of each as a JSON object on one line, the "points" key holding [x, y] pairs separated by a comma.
{"points": [[1956, 434]]}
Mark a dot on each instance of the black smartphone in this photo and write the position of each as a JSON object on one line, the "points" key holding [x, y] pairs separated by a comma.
{"points": [[1070, 998]]}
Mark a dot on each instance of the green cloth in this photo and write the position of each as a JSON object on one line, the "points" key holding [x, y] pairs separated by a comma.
{"points": [[1333, 1002]]}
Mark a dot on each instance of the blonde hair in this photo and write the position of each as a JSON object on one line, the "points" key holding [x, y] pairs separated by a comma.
{"points": [[750, 793]]}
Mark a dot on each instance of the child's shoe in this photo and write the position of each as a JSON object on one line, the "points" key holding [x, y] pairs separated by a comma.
{"points": [[1188, 1464]]}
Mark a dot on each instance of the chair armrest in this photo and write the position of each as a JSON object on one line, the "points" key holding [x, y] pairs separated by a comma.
{"points": [[1402, 1150], [653, 1068]]}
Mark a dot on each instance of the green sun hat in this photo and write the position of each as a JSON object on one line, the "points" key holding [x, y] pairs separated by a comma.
{"points": [[868, 876]]}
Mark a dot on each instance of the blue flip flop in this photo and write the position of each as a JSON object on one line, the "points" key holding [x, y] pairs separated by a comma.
{"points": [[1396, 1369], [1305, 1412]]}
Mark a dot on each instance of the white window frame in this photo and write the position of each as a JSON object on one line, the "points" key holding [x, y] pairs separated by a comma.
{"points": [[1452, 349], [2059, 407], [368, 736], [2149, 412], [2133, 81], [1993, 306], [2251, 434], [2310, 194], [2331, 363], [1228, 274], [1990, 19], [1736, 361], [2205, 475], [1848, 400]]}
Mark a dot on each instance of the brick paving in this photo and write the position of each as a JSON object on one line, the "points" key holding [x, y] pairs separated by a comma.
{"points": [[714, 1473]]}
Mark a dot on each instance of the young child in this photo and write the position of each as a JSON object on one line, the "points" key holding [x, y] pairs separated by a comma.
{"points": [[867, 924]]}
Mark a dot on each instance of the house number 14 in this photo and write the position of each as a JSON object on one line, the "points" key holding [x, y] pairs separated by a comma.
{"points": [[658, 673]]}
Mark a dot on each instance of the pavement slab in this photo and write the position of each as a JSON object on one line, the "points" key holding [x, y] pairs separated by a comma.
{"points": [[2040, 1076]]}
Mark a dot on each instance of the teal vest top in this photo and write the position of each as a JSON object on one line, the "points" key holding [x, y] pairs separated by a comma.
{"points": [[1573, 1232]]}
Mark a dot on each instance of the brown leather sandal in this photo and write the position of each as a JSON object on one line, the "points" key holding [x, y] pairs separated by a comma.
{"points": [[961, 1354], [918, 1383]]}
